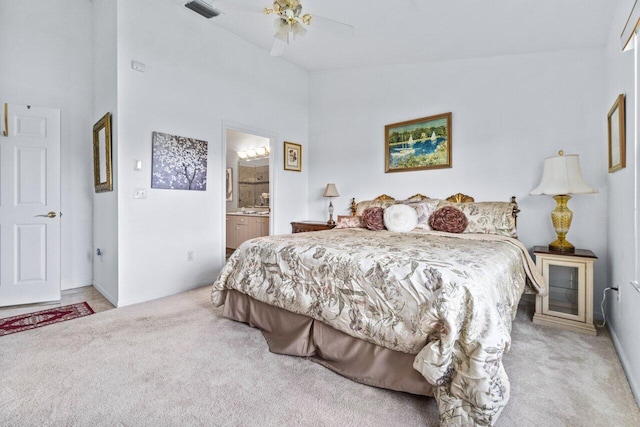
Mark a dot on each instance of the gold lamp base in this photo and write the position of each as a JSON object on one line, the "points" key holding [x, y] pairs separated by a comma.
{"points": [[561, 218]]}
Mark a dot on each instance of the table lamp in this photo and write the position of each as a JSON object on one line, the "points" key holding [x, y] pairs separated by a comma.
{"points": [[561, 177], [330, 191]]}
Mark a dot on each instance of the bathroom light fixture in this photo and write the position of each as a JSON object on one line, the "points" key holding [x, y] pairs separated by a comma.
{"points": [[254, 153]]}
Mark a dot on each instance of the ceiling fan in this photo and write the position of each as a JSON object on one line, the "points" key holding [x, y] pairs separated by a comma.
{"points": [[291, 22]]}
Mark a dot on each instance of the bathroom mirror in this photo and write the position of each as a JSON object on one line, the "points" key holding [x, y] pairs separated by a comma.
{"points": [[102, 177], [253, 183]]}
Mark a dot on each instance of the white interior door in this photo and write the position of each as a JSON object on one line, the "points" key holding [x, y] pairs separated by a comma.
{"points": [[29, 204]]}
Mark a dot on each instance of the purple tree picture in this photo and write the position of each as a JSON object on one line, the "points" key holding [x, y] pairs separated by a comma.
{"points": [[179, 163]]}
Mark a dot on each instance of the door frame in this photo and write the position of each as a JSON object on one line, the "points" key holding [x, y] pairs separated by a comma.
{"points": [[273, 137]]}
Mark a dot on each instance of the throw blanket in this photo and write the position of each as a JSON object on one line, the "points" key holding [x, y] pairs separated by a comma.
{"points": [[448, 299]]}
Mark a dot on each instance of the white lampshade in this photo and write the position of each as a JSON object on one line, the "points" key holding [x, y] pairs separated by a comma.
{"points": [[330, 191], [562, 175]]}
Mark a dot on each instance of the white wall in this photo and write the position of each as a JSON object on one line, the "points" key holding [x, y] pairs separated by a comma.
{"points": [[47, 57], [105, 205], [196, 78], [623, 313], [509, 113]]}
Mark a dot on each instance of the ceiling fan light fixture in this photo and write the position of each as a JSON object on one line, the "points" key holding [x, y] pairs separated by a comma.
{"points": [[298, 30], [282, 30], [290, 20]]}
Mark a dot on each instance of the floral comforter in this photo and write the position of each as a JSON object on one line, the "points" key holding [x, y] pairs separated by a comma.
{"points": [[448, 299]]}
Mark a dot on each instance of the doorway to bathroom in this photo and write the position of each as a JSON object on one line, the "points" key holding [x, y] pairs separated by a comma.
{"points": [[248, 186]]}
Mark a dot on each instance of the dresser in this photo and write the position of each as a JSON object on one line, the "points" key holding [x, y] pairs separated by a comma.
{"points": [[304, 226]]}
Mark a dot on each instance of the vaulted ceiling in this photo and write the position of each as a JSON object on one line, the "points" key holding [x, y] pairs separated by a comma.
{"points": [[412, 31]]}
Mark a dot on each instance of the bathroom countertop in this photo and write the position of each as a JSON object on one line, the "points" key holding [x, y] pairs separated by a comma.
{"points": [[253, 213]]}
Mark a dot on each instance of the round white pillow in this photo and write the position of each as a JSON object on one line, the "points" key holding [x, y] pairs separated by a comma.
{"points": [[400, 218]]}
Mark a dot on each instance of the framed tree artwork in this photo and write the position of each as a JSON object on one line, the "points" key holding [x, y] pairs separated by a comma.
{"points": [[179, 163]]}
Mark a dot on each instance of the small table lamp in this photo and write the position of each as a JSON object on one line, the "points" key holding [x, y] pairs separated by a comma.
{"points": [[330, 191], [561, 177]]}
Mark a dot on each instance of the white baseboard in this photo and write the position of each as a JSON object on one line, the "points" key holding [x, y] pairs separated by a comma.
{"points": [[113, 300], [159, 293], [633, 382]]}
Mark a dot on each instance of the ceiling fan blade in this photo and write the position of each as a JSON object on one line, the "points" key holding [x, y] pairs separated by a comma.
{"points": [[277, 48], [331, 26]]}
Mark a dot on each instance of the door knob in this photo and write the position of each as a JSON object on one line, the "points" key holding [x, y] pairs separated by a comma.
{"points": [[49, 215]]}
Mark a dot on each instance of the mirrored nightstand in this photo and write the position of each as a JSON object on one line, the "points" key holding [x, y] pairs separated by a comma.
{"points": [[569, 278]]}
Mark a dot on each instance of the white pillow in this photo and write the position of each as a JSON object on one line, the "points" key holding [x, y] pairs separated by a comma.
{"points": [[400, 218]]}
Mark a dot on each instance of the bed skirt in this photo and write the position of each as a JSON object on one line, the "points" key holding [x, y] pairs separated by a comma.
{"points": [[297, 335]]}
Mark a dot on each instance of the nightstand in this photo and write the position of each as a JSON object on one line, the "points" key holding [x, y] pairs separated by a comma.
{"points": [[569, 278], [304, 226]]}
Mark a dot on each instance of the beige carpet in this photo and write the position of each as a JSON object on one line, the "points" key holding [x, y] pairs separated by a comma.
{"points": [[176, 361]]}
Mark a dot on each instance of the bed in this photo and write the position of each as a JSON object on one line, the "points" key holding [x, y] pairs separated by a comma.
{"points": [[425, 312]]}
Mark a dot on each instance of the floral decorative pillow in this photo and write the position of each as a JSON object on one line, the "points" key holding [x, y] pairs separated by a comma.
{"points": [[366, 204], [373, 219], [345, 221], [448, 219], [424, 209], [487, 217]]}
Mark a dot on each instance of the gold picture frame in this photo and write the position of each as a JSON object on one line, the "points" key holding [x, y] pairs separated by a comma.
{"points": [[102, 175], [616, 135], [418, 144], [292, 156]]}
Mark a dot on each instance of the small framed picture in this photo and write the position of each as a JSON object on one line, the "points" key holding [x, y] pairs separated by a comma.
{"points": [[617, 145], [292, 157], [229, 177]]}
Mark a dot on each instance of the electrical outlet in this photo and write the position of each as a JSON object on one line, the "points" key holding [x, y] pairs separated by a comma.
{"points": [[140, 193], [189, 255]]}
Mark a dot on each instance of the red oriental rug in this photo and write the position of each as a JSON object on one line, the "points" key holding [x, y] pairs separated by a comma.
{"points": [[23, 322]]}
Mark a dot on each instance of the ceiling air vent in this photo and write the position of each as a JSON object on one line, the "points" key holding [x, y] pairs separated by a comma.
{"points": [[202, 8]]}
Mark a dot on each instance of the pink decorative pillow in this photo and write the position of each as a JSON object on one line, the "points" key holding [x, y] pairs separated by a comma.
{"points": [[345, 221], [373, 218], [448, 219]]}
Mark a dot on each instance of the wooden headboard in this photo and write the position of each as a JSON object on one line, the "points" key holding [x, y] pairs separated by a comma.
{"points": [[455, 198]]}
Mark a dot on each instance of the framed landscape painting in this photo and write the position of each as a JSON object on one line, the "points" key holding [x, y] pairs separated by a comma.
{"points": [[418, 144]]}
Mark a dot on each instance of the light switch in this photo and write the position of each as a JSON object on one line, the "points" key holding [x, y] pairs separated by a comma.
{"points": [[137, 165]]}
